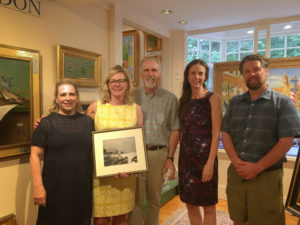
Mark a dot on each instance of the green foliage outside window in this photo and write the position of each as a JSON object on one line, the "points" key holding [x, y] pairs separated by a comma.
{"points": [[204, 57], [261, 44], [263, 53], [246, 45], [293, 52], [232, 46], [204, 45], [293, 40], [276, 53], [277, 42], [232, 57], [215, 57], [215, 46], [192, 44]]}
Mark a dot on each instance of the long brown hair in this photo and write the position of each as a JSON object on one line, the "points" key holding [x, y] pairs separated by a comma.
{"points": [[186, 92]]}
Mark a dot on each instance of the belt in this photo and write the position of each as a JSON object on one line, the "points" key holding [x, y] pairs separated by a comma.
{"points": [[155, 147]]}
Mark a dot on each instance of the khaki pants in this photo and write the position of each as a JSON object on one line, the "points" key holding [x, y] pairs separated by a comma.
{"points": [[258, 201], [149, 185]]}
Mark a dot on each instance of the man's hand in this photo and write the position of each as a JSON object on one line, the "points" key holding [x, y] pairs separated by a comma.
{"points": [[247, 170], [169, 165]]}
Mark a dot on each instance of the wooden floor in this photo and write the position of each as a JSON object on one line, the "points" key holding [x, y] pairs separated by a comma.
{"points": [[171, 206]]}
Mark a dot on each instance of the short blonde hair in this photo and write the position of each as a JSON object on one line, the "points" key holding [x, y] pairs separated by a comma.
{"points": [[55, 106], [106, 95]]}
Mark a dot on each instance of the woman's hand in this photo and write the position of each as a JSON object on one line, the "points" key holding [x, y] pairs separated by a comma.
{"points": [[39, 196], [207, 172]]}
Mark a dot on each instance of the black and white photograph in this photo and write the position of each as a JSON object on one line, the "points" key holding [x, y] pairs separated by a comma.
{"points": [[121, 150]]}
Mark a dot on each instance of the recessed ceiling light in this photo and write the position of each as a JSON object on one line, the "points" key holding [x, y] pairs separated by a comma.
{"points": [[250, 32], [182, 21], [166, 11], [286, 27]]}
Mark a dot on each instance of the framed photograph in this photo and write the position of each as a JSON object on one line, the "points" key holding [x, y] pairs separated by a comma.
{"points": [[293, 199], [284, 77], [152, 43], [79, 66], [8, 220], [19, 98], [130, 45], [118, 151]]}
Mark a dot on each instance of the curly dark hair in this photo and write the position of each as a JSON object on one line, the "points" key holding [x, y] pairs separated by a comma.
{"points": [[186, 87]]}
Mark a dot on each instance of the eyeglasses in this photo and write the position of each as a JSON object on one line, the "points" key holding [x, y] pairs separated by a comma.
{"points": [[114, 82]]}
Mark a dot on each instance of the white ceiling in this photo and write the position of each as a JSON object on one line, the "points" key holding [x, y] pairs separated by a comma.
{"points": [[203, 14]]}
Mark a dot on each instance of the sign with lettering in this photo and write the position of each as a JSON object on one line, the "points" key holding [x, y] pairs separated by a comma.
{"points": [[32, 7]]}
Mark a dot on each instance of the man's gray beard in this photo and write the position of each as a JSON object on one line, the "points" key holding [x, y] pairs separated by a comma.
{"points": [[150, 84]]}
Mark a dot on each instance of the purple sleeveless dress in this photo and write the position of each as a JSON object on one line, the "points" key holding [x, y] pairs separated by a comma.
{"points": [[194, 151]]}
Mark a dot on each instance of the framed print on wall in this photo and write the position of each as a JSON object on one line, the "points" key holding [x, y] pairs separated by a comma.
{"points": [[121, 150], [130, 50], [19, 98], [79, 66], [153, 43]]}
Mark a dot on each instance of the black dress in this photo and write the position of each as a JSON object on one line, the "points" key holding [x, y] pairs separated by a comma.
{"points": [[194, 151], [67, 170]]}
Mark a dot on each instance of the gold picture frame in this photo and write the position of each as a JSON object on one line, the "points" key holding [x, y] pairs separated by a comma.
{"points": [[153, 43], [293, 199], [121, 150], [8, 220], [228, 81], [130, 52], [79, 66], [19, 98]]}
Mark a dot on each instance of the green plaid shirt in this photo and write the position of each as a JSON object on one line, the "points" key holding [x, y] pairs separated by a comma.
{"points": [[160, 114]]}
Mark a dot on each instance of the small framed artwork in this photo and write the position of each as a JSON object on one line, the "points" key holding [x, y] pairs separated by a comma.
{"points": [[121, 150], [19, 98], [293, 199], [8, 220], [153, 43], [130, 45], [79, 66]]}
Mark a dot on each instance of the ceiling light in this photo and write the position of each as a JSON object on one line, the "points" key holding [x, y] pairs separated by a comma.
{"points": [[182, 21], [287, 27], [166, 11], [250, 32]]}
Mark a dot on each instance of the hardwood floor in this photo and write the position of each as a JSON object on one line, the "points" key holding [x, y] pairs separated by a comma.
{"points": [[170, 207]]}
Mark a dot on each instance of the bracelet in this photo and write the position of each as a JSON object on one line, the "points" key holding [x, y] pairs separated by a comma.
{"points": [[171, 158]]}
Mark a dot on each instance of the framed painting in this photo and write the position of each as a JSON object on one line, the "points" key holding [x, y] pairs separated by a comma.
{"points": [[79, 66], [19, 98], [118, 151], [284, 77], [293, 199], [153, 43], [8, 220], [130, 50]]}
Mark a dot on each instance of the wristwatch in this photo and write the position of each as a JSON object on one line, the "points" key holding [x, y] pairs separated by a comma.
{"points": [[171, 158]]}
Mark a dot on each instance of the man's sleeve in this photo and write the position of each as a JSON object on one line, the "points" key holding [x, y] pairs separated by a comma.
{"points": [[174, 123], [288, 120]]}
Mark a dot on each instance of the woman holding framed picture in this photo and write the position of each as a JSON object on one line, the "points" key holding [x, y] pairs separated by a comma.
{"points": [[114, 197]]}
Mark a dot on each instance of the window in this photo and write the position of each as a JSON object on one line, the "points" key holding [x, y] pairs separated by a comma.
{"points": [[238, 49], [207, 50]]}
